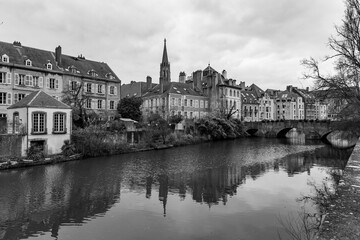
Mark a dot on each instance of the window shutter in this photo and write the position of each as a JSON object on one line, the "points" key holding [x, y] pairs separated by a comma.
{"points": [[16, 79], [115, 90], [47, 83], [9, 99], [56, 83], [15, 97], [103, 104], [108, 90], [92, 88], [41, 82], [31, 80], [93, 104], [8, 78], [96, 88]]}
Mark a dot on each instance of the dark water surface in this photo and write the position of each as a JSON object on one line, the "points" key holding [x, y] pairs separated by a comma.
{"points": [[220, 190]]}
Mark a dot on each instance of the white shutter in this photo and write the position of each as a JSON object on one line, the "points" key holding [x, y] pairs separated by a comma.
{"points": [[108, 92], [47, 83], [103, 104], [41, 82], [15, 97], [16, 79], [93, 88], [108, 104], [8, 78], [115, 90], [96, 88], [56, 83], [93, 105], [9, 99], [102, 88], [31, 83]]}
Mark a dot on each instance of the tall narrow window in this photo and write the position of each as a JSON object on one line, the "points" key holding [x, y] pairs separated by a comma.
{"points": [[16, 123], [38, 123], [59, 123]]}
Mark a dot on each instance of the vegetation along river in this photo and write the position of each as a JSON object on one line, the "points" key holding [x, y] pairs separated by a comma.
{"points": [[236, 189]]}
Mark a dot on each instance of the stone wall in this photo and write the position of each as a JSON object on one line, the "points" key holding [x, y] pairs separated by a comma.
{"points": [[10, 145]]}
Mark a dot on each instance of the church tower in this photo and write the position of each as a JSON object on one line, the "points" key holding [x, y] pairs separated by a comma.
{"points": [[164, 67]]}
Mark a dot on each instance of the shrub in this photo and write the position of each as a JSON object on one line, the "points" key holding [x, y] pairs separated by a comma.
{"points": [[68, 148], [35, 153]]}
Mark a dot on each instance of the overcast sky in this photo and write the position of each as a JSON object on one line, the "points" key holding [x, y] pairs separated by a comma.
{"points": [[256, 41]]}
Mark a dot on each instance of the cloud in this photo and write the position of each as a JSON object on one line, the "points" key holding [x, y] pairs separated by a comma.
{"points": [[260, 41]]}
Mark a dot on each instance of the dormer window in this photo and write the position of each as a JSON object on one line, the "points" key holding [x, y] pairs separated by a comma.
{"points": [[110, 76], [28, 62], [49, 66], [73, 69], [5, 58], [92, 73]]}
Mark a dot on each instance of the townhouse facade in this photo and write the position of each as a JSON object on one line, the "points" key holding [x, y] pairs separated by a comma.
{"points": [[289, 105], [24, 70]]}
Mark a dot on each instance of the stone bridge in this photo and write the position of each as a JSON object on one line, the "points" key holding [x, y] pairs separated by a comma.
{"points": [[289, 128]]}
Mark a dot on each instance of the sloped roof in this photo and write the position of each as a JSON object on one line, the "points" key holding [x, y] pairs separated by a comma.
{"points": [[258, 91], [39, 99], [174, 87], [18, 54], [248, 97], [287, 94]]}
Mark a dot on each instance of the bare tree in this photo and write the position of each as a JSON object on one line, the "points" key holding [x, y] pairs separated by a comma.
{"points": [[345, 45], [74, 96]]}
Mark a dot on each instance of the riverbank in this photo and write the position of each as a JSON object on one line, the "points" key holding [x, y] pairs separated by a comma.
{"points": [[343, 218]]}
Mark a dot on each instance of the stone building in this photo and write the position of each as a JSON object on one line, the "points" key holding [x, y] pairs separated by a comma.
{"points": [[250, 106], [289, 105], [42, 121], [173, 98], [24, 70]]}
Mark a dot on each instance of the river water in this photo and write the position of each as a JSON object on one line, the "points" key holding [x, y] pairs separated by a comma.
{"points": [[236, 189]]}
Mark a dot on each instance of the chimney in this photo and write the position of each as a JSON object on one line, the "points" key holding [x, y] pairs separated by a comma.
{"points": [[148, 82], [58, 55], [224, 74], [289, 88], [17, 43], [307, 89], [182, 77]]}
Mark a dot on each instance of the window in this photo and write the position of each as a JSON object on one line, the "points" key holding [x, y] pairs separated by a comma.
{"points": [[53, 83], [179, 102], [88, 103], [21, 79], [5, 58], [18, 97], [38, 123], [28, 62], [29, 80], [88, 87], [191, 114], [73, 85], [191, 103], [185, 102], [100, 104], [2, 77], [2, 115], [59, 123], [112, 90], [2, 98], [100, 88], [112, 105], [49, 66]]}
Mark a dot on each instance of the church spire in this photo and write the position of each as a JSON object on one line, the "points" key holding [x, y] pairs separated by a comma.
{"points": [[164, 69], [165, 56]]}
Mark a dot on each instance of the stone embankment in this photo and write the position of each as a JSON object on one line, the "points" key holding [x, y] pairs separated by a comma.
{"points": [[343, 218]]}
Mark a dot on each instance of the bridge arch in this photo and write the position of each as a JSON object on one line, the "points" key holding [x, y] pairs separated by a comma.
{"points": [[283, 132], [252, 131]]}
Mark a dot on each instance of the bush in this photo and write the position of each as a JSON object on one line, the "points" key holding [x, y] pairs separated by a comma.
{"points": [[68, 148], [35, 153]]}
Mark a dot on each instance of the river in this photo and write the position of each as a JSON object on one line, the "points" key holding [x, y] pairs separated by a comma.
{"points": [[236, 189]]}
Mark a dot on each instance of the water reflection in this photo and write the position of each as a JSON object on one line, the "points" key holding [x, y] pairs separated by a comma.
{"points": [[47, 198]]}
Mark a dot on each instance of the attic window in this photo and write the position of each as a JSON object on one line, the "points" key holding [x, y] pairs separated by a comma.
{"points": [[110, 76], [28, 62], [92, 73], [73, 69], [49, 66], [5, 58]]}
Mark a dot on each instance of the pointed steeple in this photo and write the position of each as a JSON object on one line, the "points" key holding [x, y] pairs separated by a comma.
{"points": [[164, 69], [165, 56]]}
